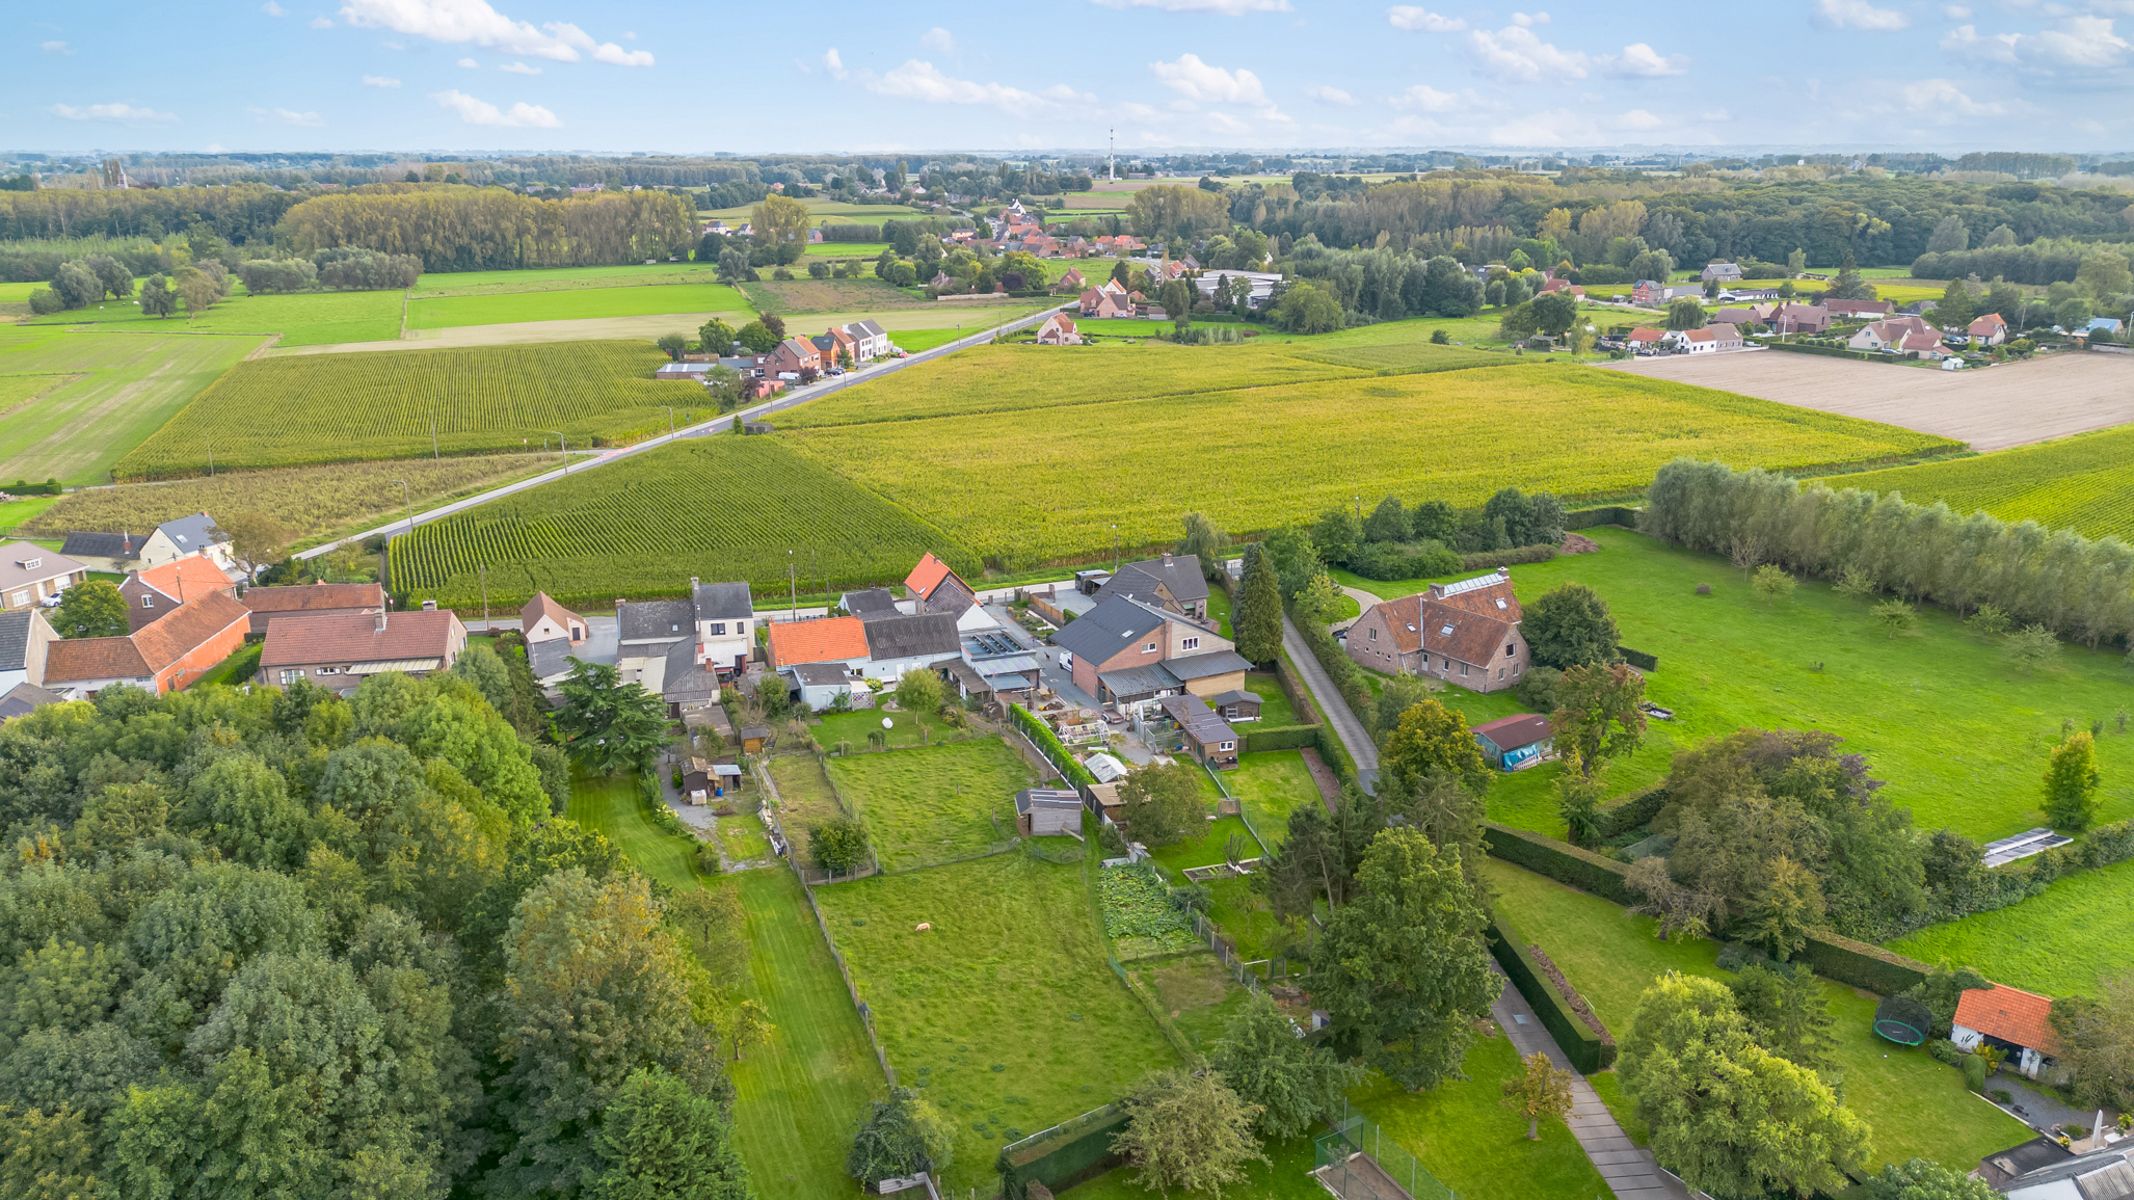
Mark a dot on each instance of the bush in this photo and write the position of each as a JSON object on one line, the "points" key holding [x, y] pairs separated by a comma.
{"points": [[1946, 1052], [1537, 691], [1975, 1073], [1482, 560], [1404, 560], [838, 845], [1834, 956], [1634, 813], [1639, 659], [1048, 744], [1280, 737], [1560, 861]]}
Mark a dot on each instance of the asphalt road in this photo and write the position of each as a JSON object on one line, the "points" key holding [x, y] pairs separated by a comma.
{"points": [[589, 462], [1354, 737]]}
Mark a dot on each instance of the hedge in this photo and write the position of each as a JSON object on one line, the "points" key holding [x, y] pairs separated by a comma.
{"points": [[1483, 560], [1835, 956], [1611, 514], [1281, 737], [1063, 1156], [1634, 813], [23, 487], [1639, 659], [1560, 861], [1048, 744], [1587, 1050]]}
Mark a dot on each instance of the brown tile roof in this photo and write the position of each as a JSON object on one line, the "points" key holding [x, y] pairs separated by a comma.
{"points": [[1489, 595], [1646, 333], [75, 660], [822, 639], [1520, 729], [314, 597], [1987, 325], [1403, 619], [148, 649], [544, 605], [184, 579], [1464, 636], [329, 638], [2010, 1014]]}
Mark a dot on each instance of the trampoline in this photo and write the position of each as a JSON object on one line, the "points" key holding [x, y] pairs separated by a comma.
{"points": [[1903, 1020]]}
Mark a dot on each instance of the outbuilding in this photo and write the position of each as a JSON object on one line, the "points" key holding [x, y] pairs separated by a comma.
{"points": [[1517, 742], [1048, 812], [1208, 738], [2017, 1022]]}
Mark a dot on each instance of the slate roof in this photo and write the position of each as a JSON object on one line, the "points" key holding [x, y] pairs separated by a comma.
{"points": [[820, 674], [1178, 572], [655, 620], [14, 639], [821, 639], [1520, 729], [1201, 666], [951, 597], [911, 636], [2011, 1014], [722, 601], [314, 597], [552, 658], [686, 680], [1099, 633], [870, 603], [864, 329], [25, 698], [124, 547], [49, 565], [333, 638], [196, 532]]}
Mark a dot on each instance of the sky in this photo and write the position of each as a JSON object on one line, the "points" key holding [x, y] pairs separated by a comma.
{"points": [[826, 76]]}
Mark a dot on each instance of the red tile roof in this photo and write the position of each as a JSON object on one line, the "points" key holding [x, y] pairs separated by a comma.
{"points": [[1987, 325], [822, 639], [334, 638], [149, 649], [1646, 333], [2010, 1014], [1521, 729], [314, 597], [187, 578], [544, 605], [927, 576]]}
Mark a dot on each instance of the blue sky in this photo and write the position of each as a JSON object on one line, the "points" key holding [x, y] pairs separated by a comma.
{"points": [[826, 76]]}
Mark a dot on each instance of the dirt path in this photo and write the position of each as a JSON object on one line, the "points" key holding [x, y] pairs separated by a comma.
{"points": [[1992, 408]]}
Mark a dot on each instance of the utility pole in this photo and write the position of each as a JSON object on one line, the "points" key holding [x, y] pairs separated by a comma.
{"points": [[483, 572], [1115, 548], [565, 443], [435, 454], [792, 584], [670, 419]]}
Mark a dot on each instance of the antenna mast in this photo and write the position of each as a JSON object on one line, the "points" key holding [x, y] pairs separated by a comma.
{"points": [[1111, 155]]}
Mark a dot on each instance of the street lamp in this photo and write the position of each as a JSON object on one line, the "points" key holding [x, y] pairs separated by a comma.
{"points": [[565, 443]]}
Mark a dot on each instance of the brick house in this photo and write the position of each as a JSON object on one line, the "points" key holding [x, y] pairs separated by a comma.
{"points": [[338, 599], [1058, 330], [1855, 309], [1172, 582], [1131, 655], [1906, 337], [1465, 633], [30, 575], [792, 356], [1799, 318], [154, 592], [840, 640], [869, 341], [162, 656], [339, 651]]}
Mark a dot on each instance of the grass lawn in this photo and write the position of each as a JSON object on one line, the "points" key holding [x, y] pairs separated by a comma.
{"points": [[1219, 612], [1243, 914], [2065, 941], [1194, 991], [1004, 1014], [906, 729], [612, 805], [1915, 1105], [911, 341], [936, 802], [551, 304], [743, 838], [83, 398], [301, 318], [1208, 848], [1275, 708], [21, 511], [1269, 785], [1960, 737], [846, 249], [1460, 1132], [800, 1095], [556, 279], [804, 796]]}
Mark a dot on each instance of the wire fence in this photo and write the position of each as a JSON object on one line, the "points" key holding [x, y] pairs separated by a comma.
{"points": [[1356, 1160], [844, 972]]}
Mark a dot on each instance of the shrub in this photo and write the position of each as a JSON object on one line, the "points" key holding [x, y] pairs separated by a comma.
{"points": [[1946, 1052], [839, 844], [1974, 1073]]}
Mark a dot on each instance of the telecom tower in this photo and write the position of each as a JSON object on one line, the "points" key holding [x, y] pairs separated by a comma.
{"points": [[1111, 155]]}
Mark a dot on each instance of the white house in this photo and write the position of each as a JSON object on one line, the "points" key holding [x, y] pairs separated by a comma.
{"points": [[1909, 337], [1708, 340], [905, 643], [196, 534], [2016, 1022], [725, 625], [869, 341]]}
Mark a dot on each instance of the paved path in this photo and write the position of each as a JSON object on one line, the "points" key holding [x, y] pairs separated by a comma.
{"points": [[790, 399], [1353, 735], [1630, 1170], [1364, 602]]}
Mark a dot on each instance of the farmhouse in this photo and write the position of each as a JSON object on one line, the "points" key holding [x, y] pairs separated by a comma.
{"points": [[1906, 337], [31, 575], [1048, 812], [1723, 272], [839, 640], [1555, 283], [1516, 742], [162, 656], [1644, 339], [1071, 282], [1465, 633], [1058, 330], [907, 643], [1853, 310], [1208, 738], [1172, 582], [267, 603], [152, 592], [2017, 1022], [338, 652], [936, 588], [1988, 330], [1708, 340], [1131, 654], [1736, 317]]}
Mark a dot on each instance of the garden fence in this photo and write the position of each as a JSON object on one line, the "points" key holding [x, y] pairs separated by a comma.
{"points": [[1226, 953], [1170, 1031], [844, 972], [1337, 1160]]}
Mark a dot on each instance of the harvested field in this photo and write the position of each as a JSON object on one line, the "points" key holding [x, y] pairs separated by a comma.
{"points": [[1990, 408]]}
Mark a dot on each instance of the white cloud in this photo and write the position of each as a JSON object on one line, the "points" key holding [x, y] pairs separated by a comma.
{"points": [[1227, 8], [938, 40], [464, 22], [272, 9], [475, 111], [1517, 51], [327, 23], [1956, 12], [1944, 99], [468, 64], [834, 63], [519, 68], [1331, 95], [1638, 120], [287, 116], [380, 81], [112, 111], [1859, 14], [1642, 61], [1523, 20], [55, 47], [916, 79], [1197, 80], [1422, 97], [2081, 43], [1416, 17]]}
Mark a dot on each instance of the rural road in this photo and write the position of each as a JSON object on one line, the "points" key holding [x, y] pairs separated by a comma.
{"points": [[721, 424], [1353, 735]]}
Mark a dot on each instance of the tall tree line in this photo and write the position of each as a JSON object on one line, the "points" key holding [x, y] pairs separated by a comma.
{"points": [[467, 229], [2076, 587], [240, 213]]}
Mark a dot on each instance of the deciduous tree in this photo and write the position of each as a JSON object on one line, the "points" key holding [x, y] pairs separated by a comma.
{"points": [[1295, 1083], [1431, 741], [1570, 626], [2071, 778], [903, 1135], [1540, 1090], [1598, 714], [1162, 803], [1186, 1129], [90, 610]]}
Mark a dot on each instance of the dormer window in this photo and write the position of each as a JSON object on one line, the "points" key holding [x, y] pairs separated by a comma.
{"points": [[1444, 631], [1501, 603], [31, 564]]}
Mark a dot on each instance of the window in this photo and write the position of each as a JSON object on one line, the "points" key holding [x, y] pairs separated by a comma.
{"points": [[1374, 633], [328, 671], [1191, 643], [718, 628], [1510, 650], [148, 602], [1149, 649], [19, 599], [1500, 672], [291, 676], [1463, 670]]}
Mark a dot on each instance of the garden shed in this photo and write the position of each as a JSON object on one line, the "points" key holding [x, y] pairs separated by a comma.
{"points": [[2017, 1022], [1517, 742], [1048, 812]]}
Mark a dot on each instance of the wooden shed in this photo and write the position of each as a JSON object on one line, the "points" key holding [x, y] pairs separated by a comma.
{"points": [[1048, 812]]}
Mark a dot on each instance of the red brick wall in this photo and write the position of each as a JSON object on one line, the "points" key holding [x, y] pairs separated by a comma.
{"points": [[203, 658]]}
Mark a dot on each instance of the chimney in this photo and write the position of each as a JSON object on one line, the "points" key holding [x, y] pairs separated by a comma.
{"points": [[1166, 558], [381, 620], [429, 606]]}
